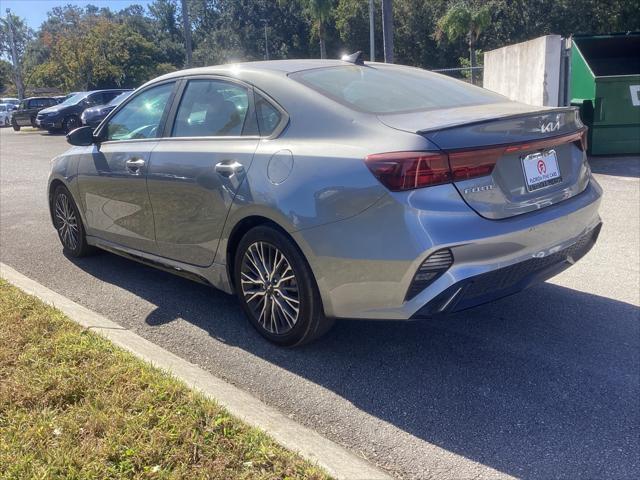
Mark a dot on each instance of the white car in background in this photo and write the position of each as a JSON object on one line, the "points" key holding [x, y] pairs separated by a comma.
{"points": [[11, 100], [6, 109]]}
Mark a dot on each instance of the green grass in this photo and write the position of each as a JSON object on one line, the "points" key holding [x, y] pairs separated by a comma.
{"points": [[74, 406]]}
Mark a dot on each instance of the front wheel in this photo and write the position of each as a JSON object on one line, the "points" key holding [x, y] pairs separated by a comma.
{"points": [[277, 290], [70, 123], [15, 126], [68, 223]]}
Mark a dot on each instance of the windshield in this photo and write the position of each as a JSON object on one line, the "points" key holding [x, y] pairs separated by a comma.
{"points": [[386, 89], [74, 99], [118, 100]]}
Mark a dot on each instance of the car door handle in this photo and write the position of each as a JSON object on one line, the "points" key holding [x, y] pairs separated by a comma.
{"points": [[135, 165], [228, 168]]}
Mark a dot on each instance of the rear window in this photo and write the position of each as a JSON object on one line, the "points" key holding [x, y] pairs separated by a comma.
{"points": [[382, 89]]}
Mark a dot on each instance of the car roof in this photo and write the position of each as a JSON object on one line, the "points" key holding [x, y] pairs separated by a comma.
{"points": [[40, 98], [108, 90], [275, 67]]}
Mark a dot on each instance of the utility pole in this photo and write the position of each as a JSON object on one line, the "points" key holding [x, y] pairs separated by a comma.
{"points": [[387, 29], [266, 38], [17, 73], [186, 24], [372, 36]]}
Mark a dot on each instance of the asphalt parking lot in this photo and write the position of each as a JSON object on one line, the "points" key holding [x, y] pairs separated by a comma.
{"points": [[543, 384]]}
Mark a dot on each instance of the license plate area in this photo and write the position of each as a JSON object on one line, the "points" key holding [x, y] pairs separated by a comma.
{"points": [[541, 170]]}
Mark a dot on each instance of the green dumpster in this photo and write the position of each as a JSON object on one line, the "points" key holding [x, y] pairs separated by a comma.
{"points": [[605, 83]]}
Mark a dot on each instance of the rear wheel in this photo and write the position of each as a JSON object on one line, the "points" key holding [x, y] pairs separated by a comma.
{"points": [[69, 224], [15, 125], [277, 290]]}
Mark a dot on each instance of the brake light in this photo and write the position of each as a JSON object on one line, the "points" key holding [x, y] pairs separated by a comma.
{"points": [[466, 164], [400, 171]]}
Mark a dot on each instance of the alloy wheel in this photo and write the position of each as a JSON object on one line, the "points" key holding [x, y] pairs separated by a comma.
{"points": [[270, 288], [67, 222]]}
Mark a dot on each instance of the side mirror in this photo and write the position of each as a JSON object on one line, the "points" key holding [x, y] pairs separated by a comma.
{"points": [[81, 137]]}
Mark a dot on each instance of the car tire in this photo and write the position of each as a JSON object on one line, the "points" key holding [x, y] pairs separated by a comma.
{"points": [[277, 290], [15, 126], [68, 224], [33, 122], [70, 123]]}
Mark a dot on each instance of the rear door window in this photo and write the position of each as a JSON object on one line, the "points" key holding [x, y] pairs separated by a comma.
{"points": [[269, 117], [211, 108]]}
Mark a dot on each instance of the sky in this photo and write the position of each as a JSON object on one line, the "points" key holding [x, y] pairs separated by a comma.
{"points": [[35, 11]]}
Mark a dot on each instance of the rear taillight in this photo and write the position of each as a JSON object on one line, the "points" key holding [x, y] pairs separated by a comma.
{"points": [[408, 170], [466, 164], [400, 171]]}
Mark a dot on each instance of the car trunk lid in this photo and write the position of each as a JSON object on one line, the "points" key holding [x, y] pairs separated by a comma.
{"points": [[506, 158]]}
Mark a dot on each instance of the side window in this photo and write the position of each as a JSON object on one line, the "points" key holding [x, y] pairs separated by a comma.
{"points": [[94, 99], [268, 116], [211, 108], [106, 97], [140, 118]]}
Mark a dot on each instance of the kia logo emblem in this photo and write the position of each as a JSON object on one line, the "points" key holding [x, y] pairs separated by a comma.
{"points": [[550, 127]]}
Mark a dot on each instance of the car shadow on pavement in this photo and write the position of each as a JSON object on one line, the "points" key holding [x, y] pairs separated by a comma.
{"points": [[618, 166], [543, 384]]}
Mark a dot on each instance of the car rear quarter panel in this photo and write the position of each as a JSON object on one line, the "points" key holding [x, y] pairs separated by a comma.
{"points": [[328, 180]]}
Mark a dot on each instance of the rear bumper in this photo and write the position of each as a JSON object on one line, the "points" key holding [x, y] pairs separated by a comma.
{"points": [[364, 265], [505, 281]]}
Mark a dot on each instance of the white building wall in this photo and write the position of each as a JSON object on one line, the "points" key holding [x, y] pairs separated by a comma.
{"points": [[528, 72]]}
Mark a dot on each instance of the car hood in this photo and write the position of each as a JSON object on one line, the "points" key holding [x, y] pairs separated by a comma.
{"points": [[53, 109]]}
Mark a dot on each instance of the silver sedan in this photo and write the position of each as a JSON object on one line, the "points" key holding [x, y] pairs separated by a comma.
{"points": [[317, 190]]}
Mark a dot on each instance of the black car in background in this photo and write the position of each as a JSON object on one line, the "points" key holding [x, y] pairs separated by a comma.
{"points": [[25, 115], [66, 115], [94, 115]]}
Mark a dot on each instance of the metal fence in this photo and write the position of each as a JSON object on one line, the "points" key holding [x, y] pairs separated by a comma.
{"points": [[463, 73]]}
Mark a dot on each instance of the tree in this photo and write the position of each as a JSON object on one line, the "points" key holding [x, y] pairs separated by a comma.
{"points": [[320, 12], [14, 38], [352, 24], [464, 20], [6, 72], [387, 29]]}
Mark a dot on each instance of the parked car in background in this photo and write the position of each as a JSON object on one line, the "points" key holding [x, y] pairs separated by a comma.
{"points": [[94, 115], [10, 100], [66, 115], [25, 115], [6, 109]]}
